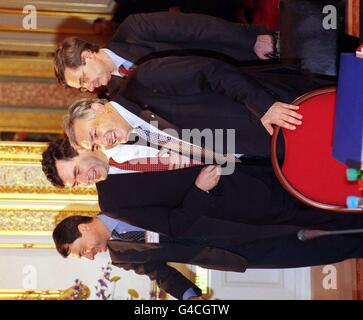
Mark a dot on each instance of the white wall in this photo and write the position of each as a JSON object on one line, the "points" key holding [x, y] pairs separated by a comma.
{"points": [[263, 284], [48, 270]]}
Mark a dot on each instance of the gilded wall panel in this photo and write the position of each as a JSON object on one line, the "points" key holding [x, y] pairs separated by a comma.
{"points": [[38, 219], [21, 176], [27, 67], [93, 6], [29, 204]]}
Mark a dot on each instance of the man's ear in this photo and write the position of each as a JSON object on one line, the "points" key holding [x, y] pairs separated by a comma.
{"points": [[83, 228], [87, 54]]}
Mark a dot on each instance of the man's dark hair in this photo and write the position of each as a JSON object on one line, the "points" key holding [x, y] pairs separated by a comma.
{"points": [[57, 150], [68, 55], [66, 232]]}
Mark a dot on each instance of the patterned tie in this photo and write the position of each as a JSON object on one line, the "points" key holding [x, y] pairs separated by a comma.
{"points": [[130, 236], [182, 147], [125, 72], [139, 236], [155, 164]]}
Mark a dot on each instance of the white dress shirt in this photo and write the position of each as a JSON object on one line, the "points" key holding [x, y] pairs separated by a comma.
{"points": [[124, 152], [118, 61]]}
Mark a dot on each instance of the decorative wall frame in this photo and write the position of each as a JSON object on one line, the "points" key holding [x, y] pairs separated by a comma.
{"points": [[69, 294], [29, 204]]}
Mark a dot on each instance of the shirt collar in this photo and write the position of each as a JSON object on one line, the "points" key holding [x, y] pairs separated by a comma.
{"points": [[110, 223], [116, 59]]}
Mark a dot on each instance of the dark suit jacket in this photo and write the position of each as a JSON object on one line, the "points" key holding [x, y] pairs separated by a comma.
{"points": [[141, 37], [168, 202], [151, 260], [145, 33], [204, 93], [216, 253]]}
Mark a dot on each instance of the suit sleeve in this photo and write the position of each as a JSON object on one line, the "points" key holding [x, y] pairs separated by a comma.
{"points": [[167, 278], [172, 221], [197, 75], [191, 31]]}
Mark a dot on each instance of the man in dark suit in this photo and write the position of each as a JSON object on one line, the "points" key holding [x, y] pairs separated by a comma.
{"points": [[168, 201], [208, 94], [210, 243], [81, 64]]}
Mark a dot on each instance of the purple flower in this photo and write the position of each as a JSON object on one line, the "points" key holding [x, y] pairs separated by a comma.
{"points": [[152, 294], [102, 283]]}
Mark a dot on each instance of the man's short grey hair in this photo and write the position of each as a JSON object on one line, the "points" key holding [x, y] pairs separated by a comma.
{"points": [[80, 109]]}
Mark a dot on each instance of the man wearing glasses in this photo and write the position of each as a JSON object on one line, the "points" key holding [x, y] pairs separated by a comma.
{"points": [[84, 65]]}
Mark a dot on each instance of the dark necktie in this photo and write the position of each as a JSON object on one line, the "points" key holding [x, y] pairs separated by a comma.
{"points": [[139, 236], [130, 236]]}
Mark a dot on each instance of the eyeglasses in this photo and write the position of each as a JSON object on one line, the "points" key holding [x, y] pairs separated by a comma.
{"points": [[83, 82]]}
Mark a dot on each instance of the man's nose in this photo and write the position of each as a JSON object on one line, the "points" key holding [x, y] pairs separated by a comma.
{"points": [[99, 141], [105, 141], [90, 86]]}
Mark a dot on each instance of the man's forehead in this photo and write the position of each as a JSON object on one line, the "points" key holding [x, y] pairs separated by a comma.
{"points": [[80, 123], [65, 169], [82, 131], [65, 164]]}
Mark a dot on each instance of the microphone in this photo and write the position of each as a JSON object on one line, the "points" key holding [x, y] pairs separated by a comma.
{"points": [[306, 234]]}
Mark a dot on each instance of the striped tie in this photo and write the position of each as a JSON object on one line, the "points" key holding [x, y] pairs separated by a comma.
{"points": [[150, 165], [181, 147]]}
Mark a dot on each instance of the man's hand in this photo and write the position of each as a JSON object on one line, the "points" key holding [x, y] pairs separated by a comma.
{"points": [[283, 115], [263, 46], [208, 178]]}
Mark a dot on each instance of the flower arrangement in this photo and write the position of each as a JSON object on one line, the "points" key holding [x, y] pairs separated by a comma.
{"points": [[103, 286], [79, 291]]}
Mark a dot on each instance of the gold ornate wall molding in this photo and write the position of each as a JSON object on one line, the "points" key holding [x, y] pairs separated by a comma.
{"points": [[38, 219], [59, 13], [27, 121], [27, 67], [69, 294], [29, 204], [27, 246], [55, 20], [50, 21], [20, 153], [21, 176], [93, 6]]}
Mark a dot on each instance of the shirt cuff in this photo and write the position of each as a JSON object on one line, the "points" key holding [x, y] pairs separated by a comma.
{"points": [[189, 293]]}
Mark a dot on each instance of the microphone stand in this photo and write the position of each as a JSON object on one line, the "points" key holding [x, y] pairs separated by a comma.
{"points": [[306, 234]]}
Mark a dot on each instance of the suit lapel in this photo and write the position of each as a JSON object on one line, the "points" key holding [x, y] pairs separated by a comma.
{"points": [[124, 50], [210, 257], [143, 112]]}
